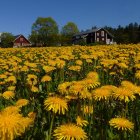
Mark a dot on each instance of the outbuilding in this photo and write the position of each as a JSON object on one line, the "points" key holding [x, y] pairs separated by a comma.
{"points": [[21, 41]]}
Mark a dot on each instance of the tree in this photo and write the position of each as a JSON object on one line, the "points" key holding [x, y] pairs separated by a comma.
{"points": [[44, 32], [67, 33], [7, 40]]}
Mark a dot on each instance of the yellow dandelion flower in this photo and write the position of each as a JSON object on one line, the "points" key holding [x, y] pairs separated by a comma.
{"points": [[78, 62], [12, 124], [87, 109], [60, 64], [90, 83], [69, 132], [81, 122], [51, 67], [121, 124], [89, 60], [63, 88], [3, 76], [127, 84], [112, 73], [32, 115], [137, 90], [34, 89], [101, 94], [122, 65], [11, 79], [110, 88], [24, 68], [46, 78], [137, 65], [85, 94], [56, 104], [22, 102], [93, 75], [35, 70], [130, 86], [8, 94], [12, 88], [75, 68], [48, 68], [11, 110], [51, 93], [124, 94], [137, 74], [32, 79], [2, 83], [70, 97], [76, 87], [32, 65]]}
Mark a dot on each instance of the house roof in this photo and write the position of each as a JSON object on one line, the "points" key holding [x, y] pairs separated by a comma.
{"points": [[86, 32], [17, 36], [92, 31]]}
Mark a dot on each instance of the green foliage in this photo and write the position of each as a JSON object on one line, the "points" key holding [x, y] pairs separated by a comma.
{"points": [[44, 32], [70, 29], [6, 40], [127, 34], [67, 33]]}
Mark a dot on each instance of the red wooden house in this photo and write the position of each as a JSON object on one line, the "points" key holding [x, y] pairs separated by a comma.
{"points": [[94, 35], [21, 41]]}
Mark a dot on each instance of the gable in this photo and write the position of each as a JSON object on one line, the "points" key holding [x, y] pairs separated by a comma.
{"points": [[21, 39]]}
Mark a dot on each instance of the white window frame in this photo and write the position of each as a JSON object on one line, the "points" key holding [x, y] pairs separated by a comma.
{"points": [[102, 33]]}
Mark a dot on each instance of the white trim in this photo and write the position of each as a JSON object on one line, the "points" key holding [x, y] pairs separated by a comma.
{"points": [[106, 38], [17, 37]]}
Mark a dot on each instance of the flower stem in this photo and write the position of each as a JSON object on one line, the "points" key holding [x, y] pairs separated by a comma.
{"points": [[51, 125]]}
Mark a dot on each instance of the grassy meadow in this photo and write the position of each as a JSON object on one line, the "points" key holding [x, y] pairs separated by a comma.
{"points": [[70, 93]]}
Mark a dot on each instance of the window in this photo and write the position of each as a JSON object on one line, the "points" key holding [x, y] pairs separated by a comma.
{"points": [[102, 33], [103, 39], [97, 34], [21, 39], [97, 39]]}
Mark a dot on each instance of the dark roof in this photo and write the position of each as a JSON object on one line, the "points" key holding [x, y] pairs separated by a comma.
{"points": [[86, 32], [17, 36], [91, 31]]}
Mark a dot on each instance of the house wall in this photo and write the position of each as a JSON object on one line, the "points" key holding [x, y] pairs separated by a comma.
{"points": [[91, 38], [101, 36], [21, 41], [109, 39]]}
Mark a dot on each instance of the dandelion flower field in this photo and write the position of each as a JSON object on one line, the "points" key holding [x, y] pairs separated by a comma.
{"points": [[70, 93]]}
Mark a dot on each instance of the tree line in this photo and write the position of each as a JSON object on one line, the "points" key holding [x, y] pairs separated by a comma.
{"points": [[45, 32], [127, 34]]}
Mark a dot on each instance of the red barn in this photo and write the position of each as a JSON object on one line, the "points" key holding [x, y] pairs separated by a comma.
{"points": [[21, 41]]}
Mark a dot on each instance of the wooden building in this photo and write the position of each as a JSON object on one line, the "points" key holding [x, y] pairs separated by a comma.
{"points": [[21, 41], [94, 35]]}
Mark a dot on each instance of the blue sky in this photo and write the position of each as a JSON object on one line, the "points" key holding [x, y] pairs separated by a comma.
{"points": [[17, 16]]}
